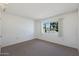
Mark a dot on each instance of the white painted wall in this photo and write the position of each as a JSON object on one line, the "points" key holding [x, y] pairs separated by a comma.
{"points": [[78, 30], [0, 29], [16, 29], [69, 37], [0, 33]]}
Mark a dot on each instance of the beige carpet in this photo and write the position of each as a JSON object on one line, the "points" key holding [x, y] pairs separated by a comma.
{"points": [[38, 47]]}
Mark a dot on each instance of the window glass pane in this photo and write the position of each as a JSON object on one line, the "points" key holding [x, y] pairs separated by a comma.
{"points": [[50, 26]]}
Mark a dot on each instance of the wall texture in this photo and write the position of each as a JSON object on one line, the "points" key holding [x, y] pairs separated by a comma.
{"points": [[16, 29], [69, 37]]}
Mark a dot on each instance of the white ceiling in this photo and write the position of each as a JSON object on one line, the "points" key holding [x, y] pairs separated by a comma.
{"points": [[40, 10]]}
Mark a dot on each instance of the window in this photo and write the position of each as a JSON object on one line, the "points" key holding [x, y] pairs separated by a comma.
{"points": [[49, 26]]}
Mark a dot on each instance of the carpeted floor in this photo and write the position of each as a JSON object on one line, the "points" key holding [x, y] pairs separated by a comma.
{"points": [[38, 47]]}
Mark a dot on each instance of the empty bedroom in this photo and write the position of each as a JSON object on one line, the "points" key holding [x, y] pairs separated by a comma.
{"points": [[39, 29]]}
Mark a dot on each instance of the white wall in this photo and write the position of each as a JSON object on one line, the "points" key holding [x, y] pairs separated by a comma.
{"points": [[0, 35], [78, 30], [0, 31], [69, 37], [16, 29]]}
